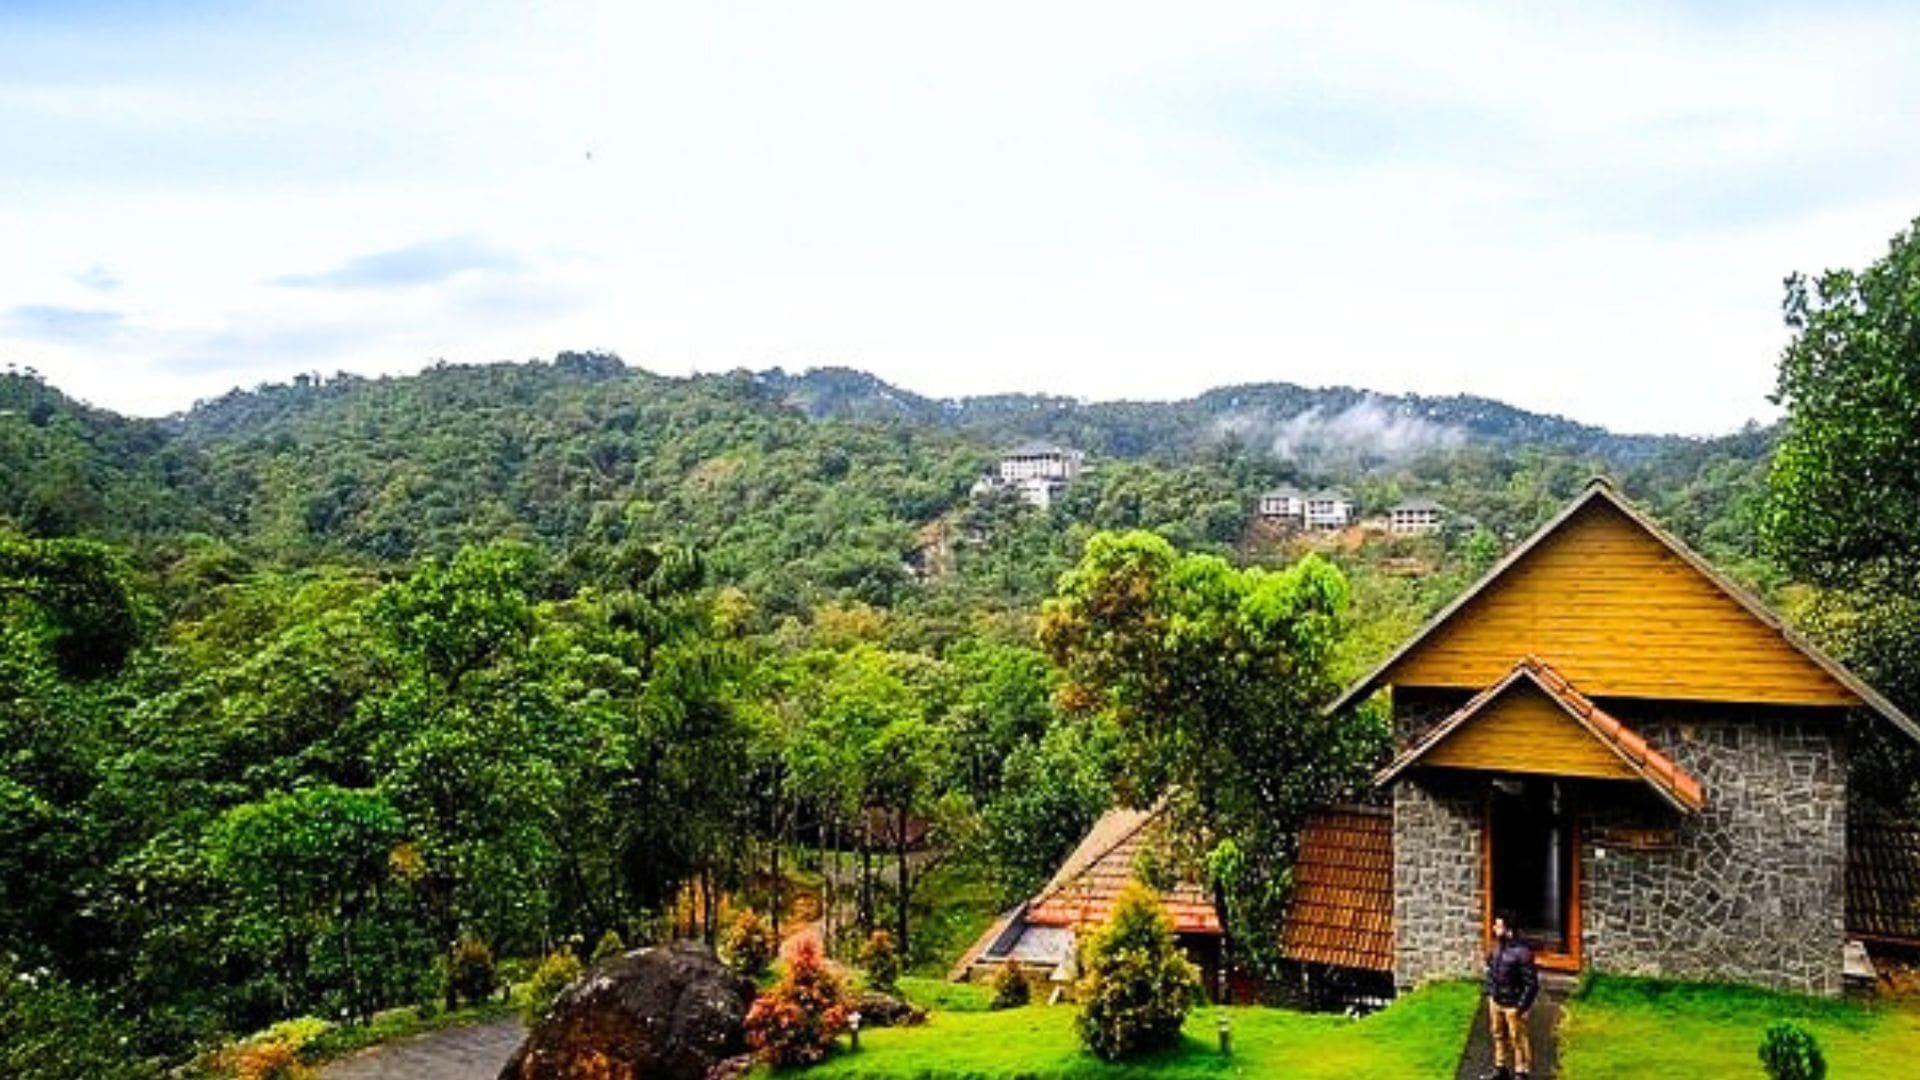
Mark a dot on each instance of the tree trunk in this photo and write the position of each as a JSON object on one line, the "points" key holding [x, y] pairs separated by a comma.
{"points": [[900, 877]]}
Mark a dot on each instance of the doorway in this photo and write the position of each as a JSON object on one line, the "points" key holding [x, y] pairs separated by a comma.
{"points": [[1532, 863]]}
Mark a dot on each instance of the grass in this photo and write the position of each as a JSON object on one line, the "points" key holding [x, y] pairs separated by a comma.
{"points": [[1618, 1028], [1418, 1038]]}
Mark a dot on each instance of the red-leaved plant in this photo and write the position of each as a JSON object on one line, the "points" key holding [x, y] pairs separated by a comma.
{"points": [[796, 1021]]}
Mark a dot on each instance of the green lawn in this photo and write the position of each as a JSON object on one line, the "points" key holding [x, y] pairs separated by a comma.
{"points": [[1617, 1029], [1417, 1039]]}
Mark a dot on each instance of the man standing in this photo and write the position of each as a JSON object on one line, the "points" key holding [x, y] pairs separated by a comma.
{"points": [[1512, 982]]}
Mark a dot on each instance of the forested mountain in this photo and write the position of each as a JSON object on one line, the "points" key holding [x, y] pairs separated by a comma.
{"points": [[797, 487]]}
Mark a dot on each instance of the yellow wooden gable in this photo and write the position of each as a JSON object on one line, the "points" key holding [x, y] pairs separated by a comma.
{"points": [[1621, 609], [1523, 730]]}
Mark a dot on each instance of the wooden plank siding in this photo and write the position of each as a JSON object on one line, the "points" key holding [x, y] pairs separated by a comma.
{"points": [[1619, 614], [1524, 731]]}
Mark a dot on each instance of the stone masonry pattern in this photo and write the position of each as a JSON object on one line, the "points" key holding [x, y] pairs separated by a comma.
{"points": [[1751, 889]]}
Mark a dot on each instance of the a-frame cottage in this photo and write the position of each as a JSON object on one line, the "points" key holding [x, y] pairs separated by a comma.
{"points": [[1612, 740]]}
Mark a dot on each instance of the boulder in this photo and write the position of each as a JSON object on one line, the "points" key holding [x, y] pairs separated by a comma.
{"points": [[667, 1013], [885, 1010]]}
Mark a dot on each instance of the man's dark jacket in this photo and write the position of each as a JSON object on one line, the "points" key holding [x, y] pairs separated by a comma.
{"points": [[1511, 979]]}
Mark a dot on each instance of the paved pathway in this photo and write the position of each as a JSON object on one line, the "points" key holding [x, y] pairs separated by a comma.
{"points": [[1476, 1059], [473, 1052]]}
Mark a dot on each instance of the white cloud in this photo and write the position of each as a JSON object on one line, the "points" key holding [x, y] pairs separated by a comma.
{"points": [[1578, 209]]}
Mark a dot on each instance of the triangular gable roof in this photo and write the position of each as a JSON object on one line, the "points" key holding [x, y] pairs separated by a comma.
{"points": [[1673, 783], [1082, 892], [1599, 492]]}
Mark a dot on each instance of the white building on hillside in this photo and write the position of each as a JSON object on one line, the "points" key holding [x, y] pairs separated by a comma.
{"points": [[1416, 516], [1284, 505], [1329, 509], [1037, 472]]}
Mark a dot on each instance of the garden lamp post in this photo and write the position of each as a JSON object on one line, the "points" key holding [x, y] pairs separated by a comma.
{"points": [[853, 1027], [1226, 1032]]}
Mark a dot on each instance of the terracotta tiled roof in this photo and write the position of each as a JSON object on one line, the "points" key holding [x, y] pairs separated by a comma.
{"points": [[1342, 908], [1883, 880], [1672, 782], [1082, 893]]}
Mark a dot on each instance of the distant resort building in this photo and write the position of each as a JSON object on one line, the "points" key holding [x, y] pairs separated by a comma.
{"points": [[1415, 517], [1038, 472], [1285, 506], [1329, 509]]}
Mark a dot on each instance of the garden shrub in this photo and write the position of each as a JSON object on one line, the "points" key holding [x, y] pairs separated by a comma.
{"points": [[471, 976], [749, 944], [796, 1021], [881, 957], [52, 1031], [555, 974], [609, 946], [1136, 987], [1010, 987], [267, 1059], [1789, 1052]]}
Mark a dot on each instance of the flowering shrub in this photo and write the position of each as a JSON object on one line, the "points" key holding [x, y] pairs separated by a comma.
{"points": [[1136, 987], [881, 958], [749, 944], [796, 1021], [268, 1059]]}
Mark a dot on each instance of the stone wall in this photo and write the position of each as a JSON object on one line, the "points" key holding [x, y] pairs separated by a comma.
{"points": [[1753, 888], [1436, 878]]}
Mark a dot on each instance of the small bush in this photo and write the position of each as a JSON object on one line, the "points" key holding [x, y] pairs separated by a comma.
{"points": [[881, 957], [471, 976], [268, 1059], [554, 974], [796, 1021], [1790, 1052], [749, 944], [1136, 987], [1010, 987], [610, 946]]}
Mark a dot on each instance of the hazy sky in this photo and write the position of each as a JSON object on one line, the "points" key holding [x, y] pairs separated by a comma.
{"points": [[1582, 208]]}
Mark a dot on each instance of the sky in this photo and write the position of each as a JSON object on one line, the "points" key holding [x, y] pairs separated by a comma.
{"points": [[1584, 209]]}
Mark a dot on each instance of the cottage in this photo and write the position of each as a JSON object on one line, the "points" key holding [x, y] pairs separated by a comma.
{"points": [[1610, 739], [1329, 509], [1041, 934], [1415, 517]]}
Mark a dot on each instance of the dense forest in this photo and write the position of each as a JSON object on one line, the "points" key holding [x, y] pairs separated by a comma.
{"points": [[315, 689]]}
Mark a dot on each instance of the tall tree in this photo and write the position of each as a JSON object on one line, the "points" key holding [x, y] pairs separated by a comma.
{"points": [[1845, 483], [1215, 680]]}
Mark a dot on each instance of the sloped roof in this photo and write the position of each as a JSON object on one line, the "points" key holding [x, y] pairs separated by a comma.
{"points": [[1883, 880], [1091, 878], [1600, 491], [1342, 908], [1673, 783], [1416, 504]]}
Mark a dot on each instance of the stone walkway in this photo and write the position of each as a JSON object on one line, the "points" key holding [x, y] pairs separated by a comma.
{"points": [[1476, 1059], [474, 1052]]}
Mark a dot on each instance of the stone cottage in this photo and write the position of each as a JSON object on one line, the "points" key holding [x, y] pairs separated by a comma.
{"points": [[1608, 738]]}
